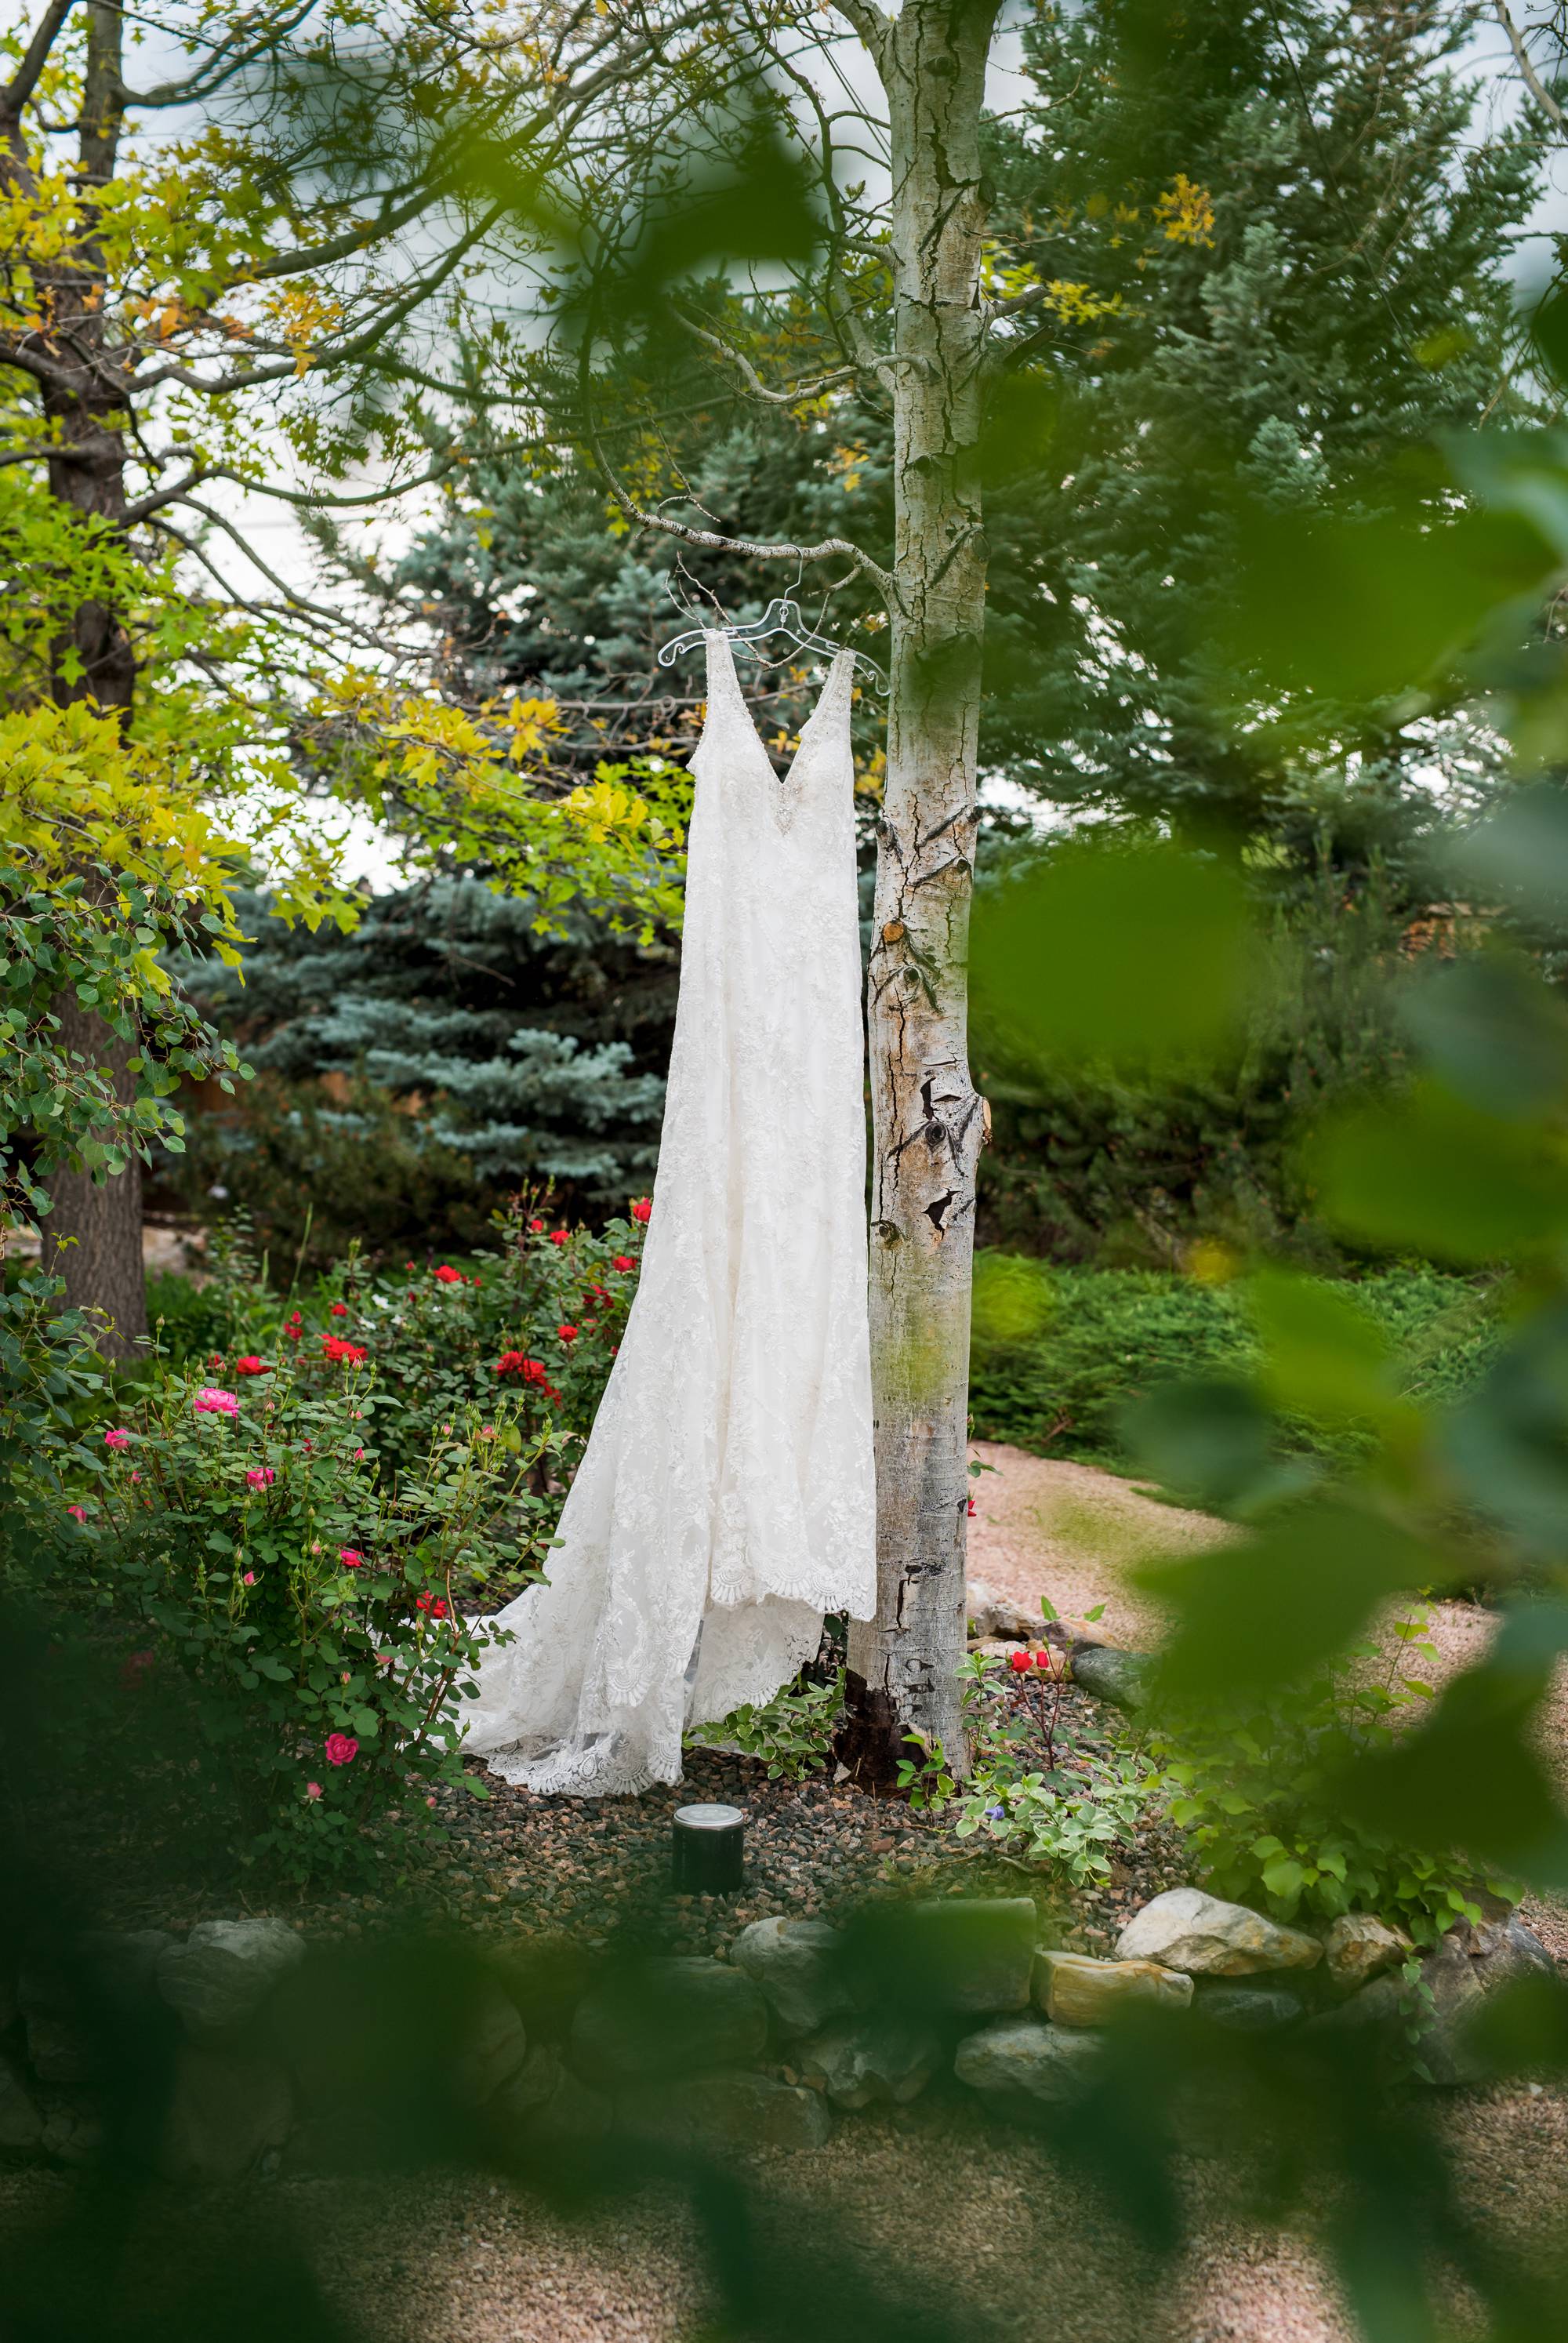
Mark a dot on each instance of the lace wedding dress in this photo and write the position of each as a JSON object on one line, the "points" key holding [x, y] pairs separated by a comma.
{"points": [[726, 1498]]}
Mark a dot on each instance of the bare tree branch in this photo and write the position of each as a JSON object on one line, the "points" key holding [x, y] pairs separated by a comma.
{"points": [[1528, 75], [713, 540], [314, 500], [753, 380]]}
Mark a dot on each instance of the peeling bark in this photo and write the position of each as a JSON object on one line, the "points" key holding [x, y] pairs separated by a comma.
{"points": [[928, 1121]]}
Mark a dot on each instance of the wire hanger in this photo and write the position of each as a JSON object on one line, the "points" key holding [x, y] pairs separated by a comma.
{"points": [[783, 616]]}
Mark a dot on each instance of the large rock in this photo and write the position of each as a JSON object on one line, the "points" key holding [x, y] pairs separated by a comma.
{"points": [[1074, 1990], [666, 2017], [494, 2046], [714, 2112], [544, 1980], [798, 1967], [227, 2112], [544, 2105], [1025, 2062], [1359, 1947], [21, 2125], [1251, 2009], [1185, 1929], [1123, 1678], [1461, 1970], [994, 1617], [882, 2059], [224, 1970], [964, 1953]]}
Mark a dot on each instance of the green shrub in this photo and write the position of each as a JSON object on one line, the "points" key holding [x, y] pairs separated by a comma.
{"points": [[1059, 1354], [790, 1733], [1261, 1797]]}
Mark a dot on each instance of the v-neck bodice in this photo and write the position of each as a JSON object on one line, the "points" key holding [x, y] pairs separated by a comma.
{"points": [[823, 756]]}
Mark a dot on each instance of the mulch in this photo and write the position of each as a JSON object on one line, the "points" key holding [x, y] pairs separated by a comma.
{"points": [[517, 1866]]}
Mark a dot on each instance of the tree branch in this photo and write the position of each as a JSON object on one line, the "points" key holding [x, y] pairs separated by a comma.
{"points": [[713, 541], [1528, 75], [870, 22], [25, 80], [315, 499], [753, 380]]}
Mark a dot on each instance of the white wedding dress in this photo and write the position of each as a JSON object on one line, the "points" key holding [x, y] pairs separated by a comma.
{"points": [[726, 1499]]}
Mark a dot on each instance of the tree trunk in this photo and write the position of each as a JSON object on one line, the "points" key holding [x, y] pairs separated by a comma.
{"points": [[928, 1119], [94, 1234]]}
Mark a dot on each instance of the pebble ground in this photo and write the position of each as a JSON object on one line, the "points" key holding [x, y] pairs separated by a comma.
{"points": [[598, 1869]]}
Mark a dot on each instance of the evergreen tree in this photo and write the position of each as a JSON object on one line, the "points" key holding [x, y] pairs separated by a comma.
{"points": [[507, 1058], [538, 588], [1278, 257]]}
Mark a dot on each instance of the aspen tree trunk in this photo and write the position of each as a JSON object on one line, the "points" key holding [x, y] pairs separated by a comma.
{"points": [[93, 1234], [928, 1121]]}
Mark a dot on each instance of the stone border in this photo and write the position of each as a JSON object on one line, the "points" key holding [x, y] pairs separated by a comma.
{"points": [[551, 2047]]}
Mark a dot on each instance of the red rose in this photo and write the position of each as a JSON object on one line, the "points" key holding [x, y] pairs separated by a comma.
{"points": [[332, 1346], [251, 1366], [1018, 1662], [339, 1310], [448, 1275], [642, 1209], [433, 1604], [566, 1334], [537, 1227], [971, 1509], [561, 1236], [623, 1261], [341, 1749]]}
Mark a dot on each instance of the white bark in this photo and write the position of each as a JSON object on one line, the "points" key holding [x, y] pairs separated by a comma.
{"points": [[927, 1119]]}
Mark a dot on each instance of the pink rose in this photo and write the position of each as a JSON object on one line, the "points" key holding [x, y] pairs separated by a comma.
{"points": [[211, 1401], [250, 1578], [341, 1749], [77, 1512], [116, 1439], [313, 1789], [349, 1556], [260, 1477]]}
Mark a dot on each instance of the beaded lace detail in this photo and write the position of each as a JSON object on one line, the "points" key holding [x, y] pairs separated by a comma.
{"points": [[726, 1498]]}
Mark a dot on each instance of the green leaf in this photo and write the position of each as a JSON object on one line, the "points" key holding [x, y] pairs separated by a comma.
{"points": [[1257, 1616], [1433, 1174], [1099, 955]]}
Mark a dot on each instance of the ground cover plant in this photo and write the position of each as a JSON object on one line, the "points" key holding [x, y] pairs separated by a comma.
{"points": [[1062, 1354]]}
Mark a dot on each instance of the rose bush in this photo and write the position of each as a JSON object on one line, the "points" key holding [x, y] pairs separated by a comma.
{"points": [[531, 1326], [296, 1591]]}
